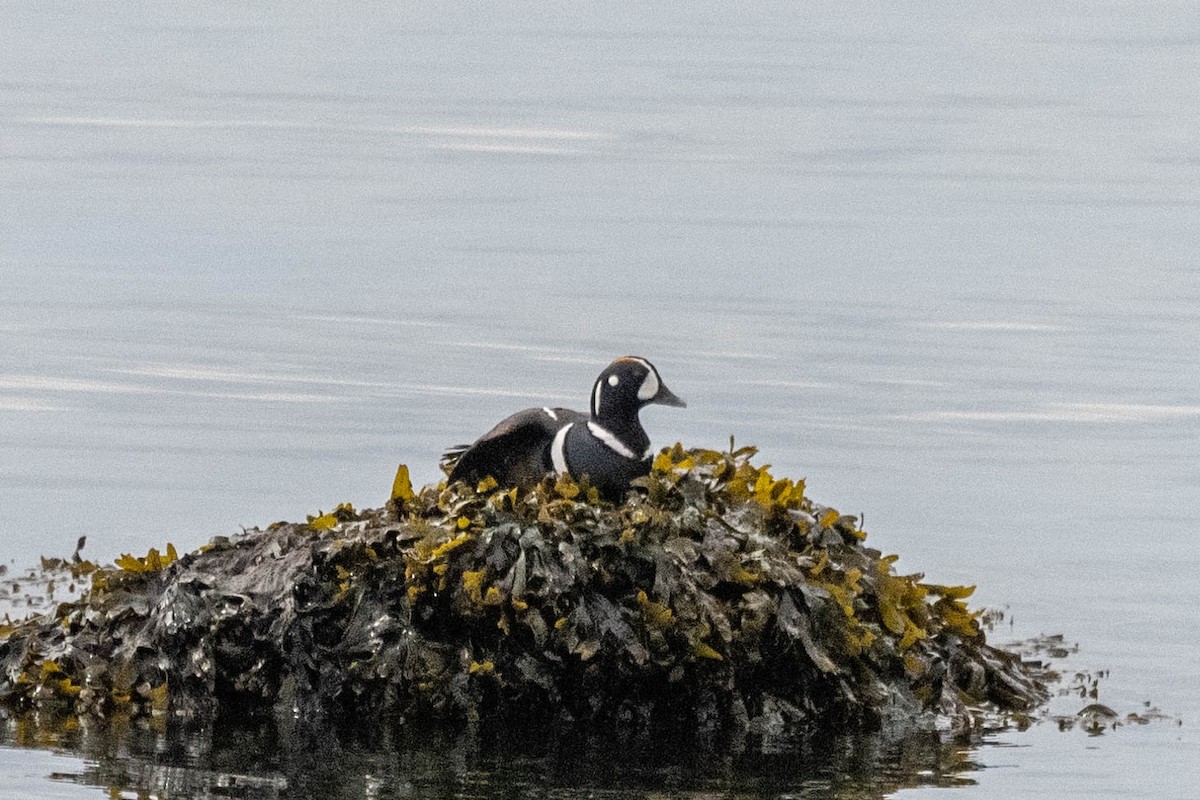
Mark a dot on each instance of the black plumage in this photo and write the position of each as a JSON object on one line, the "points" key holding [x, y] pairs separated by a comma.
{"points": [[608, 444]]}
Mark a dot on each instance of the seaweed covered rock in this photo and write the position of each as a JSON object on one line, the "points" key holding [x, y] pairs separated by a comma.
{"points": [[717, 597]]}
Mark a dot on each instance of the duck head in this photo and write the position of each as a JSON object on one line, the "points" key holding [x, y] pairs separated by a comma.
{"points": [[625, 386]]}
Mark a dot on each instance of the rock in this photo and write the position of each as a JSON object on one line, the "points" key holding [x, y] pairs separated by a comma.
{"points": [[715, 597]]}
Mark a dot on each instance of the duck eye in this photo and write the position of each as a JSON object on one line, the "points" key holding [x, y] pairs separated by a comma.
{"points": [[613, 380]]}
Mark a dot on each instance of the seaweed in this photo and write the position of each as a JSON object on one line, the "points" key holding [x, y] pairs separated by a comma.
{"points": [[716, 597]]}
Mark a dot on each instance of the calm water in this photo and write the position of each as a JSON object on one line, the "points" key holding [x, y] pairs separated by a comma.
{"points": [[942, 261]]}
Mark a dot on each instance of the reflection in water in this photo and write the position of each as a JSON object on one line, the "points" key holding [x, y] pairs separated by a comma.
{"points": [[249, 762]]}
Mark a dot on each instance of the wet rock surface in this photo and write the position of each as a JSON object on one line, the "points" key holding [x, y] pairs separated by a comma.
{"points": [[718, 597]]}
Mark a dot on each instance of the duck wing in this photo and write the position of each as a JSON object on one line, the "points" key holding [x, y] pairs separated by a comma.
{"points": [[515, 452]]}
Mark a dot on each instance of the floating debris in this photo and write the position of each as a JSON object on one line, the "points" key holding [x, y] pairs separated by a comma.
{"points": [[720, 597]]}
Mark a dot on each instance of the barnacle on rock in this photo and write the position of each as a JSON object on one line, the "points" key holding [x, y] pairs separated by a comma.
{"points": [[717, 596]]}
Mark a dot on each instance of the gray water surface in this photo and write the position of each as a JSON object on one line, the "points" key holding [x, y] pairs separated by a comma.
{"points": [[940, 261]]}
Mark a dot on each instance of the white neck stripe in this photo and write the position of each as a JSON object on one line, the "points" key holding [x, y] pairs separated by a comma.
{"points": [[558, 454], [612, 442]]}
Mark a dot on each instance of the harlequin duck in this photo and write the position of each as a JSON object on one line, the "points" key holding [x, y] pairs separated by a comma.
{"points": [[608, 445]]}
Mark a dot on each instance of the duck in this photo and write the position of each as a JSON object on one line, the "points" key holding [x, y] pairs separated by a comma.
{"points": [[607, 445]]}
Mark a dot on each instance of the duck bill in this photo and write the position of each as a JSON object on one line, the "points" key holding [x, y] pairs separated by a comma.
{"points": [[666, 397]]}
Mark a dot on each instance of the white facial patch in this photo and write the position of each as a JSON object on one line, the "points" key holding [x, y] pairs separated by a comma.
{"points": [[613, 380], [550, 413], [649, 387]]}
